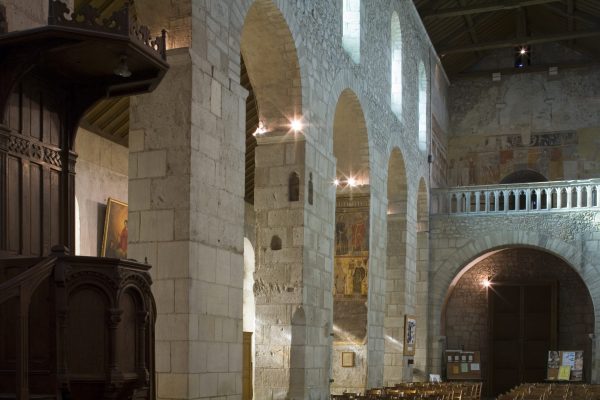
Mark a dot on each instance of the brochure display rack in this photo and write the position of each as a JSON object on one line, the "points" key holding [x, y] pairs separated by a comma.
{"points": [[463, 365], [566, 365]]}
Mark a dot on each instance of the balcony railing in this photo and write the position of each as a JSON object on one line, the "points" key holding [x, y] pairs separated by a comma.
{"points": [[517, 198]]}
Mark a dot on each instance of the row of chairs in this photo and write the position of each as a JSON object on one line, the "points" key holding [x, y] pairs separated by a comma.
{"points": [[419, 391], [552, 391]]}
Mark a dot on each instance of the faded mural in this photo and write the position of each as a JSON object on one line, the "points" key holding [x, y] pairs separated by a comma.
{"points": [[482, 160], [351, 268]]}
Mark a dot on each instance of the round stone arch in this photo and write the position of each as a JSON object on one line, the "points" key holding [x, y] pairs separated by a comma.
{"points": [[449, 272], [233, 18], [346, 81], [269, 52]]}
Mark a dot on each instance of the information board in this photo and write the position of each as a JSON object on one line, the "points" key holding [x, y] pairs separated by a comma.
{"points": [[566, 365], [463, 365]]}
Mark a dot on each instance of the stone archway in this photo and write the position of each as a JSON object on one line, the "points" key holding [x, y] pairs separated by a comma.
{"points": [[466, 316], [447, 271], [271, 73], [352, 244]]}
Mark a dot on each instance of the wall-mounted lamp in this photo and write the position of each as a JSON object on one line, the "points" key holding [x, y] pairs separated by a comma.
{"points": [[122, 69], [350, 182], [486, 283], [296, 125], [261, 129]]}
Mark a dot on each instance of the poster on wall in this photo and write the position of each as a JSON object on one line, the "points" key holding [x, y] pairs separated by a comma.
{"points": [[114, 240], [565, 365], [410, 335]]}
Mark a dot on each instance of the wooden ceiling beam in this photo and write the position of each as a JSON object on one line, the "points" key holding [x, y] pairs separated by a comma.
{"points": [[490, 6], [526, 70], [574, 14], [528, 40]]}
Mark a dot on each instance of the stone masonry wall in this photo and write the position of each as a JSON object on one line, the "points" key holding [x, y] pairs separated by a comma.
{"points": [[466, 316], [459, 242], [526, 121]]}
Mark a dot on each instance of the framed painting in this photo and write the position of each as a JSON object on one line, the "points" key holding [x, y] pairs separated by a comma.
{"points": [[114, 240], [347, 359], [410, 334]]}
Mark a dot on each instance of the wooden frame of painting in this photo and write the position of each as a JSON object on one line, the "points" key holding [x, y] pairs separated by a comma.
{"points": [[347, 359], [114, 239], [410, 335]]}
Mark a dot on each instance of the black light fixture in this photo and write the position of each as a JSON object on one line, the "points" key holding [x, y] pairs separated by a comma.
{"points": [[122, 69], [522, 56]]}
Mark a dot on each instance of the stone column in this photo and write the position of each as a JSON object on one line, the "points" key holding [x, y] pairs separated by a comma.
{"points": [[293, 272], [186, 214]]}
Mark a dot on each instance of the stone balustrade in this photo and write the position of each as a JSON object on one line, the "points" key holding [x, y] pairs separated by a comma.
{"points": [[517, 198]]}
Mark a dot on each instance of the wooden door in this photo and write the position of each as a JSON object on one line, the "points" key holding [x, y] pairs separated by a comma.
{"points": [[247, 367], [523, 328]]}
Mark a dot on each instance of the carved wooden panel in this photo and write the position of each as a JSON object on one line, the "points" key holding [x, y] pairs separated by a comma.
{"points": [[126, 336], [31, 178]]}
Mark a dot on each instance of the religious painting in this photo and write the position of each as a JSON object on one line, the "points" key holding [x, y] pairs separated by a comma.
{"points": [[410, 335], [351, 269], [114, 241], [352, 229]]}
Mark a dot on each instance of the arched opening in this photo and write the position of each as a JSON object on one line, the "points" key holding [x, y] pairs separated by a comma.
{"points": [[351, 29], [352, 232], [395, 363], [422, 107], [523, 176], [270, 71], [421, 368], [248, 322], [535, 302], [396, 65]]}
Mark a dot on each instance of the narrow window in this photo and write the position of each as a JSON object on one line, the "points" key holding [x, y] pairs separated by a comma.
{"points": [[294, 187], [275, 243], [351, 29], [422, 107], [396, 61]]}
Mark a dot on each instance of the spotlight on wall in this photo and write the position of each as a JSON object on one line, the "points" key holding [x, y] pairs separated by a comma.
{"points": [[122, 69], [486, 283], [522, 56], [352, 182], [261, 129], [336, 182], [296, 125]]}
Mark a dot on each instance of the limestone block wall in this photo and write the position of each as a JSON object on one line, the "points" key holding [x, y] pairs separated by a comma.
{"points": [[526, 121], [101, 172], [325, 71], [459, 242], [466, 321]]}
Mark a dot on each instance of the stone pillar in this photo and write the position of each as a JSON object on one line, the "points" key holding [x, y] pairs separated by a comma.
{"points": [[395, 295], [186, 214], [293, 272]]}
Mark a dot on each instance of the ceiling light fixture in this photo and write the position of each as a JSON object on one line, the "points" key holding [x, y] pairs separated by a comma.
{"points": [[122, 69]]}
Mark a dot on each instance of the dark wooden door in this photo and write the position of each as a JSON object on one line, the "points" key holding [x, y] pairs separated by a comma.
{"points": [[523, 327]]}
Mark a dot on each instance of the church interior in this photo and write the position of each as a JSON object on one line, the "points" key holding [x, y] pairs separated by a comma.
{"points": [[299, 199]]}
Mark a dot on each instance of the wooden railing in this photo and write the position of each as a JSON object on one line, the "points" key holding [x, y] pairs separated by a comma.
{"points": [[80, 327], [518, 198]]}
